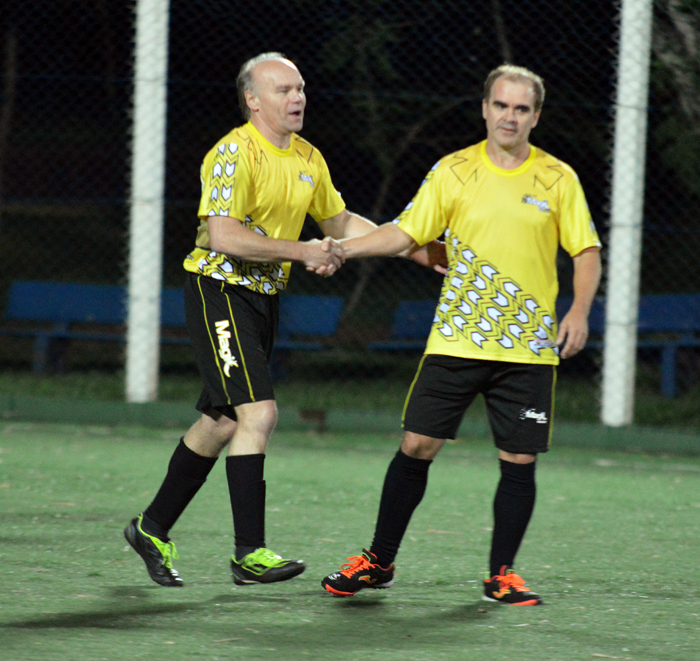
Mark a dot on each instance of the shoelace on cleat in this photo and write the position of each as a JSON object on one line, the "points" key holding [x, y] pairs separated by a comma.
{"points": [[167, 550], [355, 563], [512, 580], [263, 556], [172, 554]]}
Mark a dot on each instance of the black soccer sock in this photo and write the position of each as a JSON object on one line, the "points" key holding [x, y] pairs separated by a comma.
{"points": [[512, 509], [404, 486], [247, 490], [187, 472]]}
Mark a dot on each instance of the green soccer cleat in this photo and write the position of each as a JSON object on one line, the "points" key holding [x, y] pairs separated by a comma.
{"points": [[264, 566], [157, 554]]}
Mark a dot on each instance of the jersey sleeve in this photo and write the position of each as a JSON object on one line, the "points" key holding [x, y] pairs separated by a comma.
{"points": [[227, 183], [576, 229], [425, 218], [326, 201]]}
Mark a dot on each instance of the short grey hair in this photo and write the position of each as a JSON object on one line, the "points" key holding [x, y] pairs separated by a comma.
{"points": [[244, 80], [516, 74]]}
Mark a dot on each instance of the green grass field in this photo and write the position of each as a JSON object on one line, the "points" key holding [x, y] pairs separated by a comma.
{"points": [[612, 548], [338, 380]]}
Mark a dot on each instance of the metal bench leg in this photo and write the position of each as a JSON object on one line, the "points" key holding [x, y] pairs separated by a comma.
{"points": [[669, 388], [41, 353]]}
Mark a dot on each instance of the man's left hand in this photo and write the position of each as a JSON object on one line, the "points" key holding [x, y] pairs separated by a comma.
{"points": [[433, 255], [573, 333]]}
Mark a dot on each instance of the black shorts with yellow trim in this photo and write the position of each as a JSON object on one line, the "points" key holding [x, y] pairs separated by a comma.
{"points": [[519, 400], [232, 330]]}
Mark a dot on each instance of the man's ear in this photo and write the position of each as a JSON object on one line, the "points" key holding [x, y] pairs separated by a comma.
{"points": [[252, 101]]}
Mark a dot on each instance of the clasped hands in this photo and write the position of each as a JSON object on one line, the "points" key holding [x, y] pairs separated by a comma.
{"points": [[324, 257]]}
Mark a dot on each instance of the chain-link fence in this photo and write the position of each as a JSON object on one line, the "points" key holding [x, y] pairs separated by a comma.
{"points": [[391, 87]]}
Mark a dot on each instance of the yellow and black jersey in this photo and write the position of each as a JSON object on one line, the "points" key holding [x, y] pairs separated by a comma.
{"points": [[270, 190], [502, 229]]}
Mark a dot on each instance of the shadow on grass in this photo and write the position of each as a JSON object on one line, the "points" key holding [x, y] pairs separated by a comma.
{"points": [[475, 612], [120, 616], [471, 612], [355, 626], [352, 604]]}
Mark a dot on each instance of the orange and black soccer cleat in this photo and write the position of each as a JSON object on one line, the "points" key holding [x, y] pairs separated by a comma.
{"points": [[359, 572], [509, 588]]}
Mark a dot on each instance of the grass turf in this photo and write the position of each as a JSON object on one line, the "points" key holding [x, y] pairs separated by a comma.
{"points": [[611, 548]]}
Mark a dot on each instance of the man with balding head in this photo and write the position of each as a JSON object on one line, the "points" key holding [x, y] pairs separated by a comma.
{"points": [[258, 184]]}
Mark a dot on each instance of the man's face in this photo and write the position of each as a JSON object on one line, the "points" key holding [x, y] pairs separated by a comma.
{"points": [[278, 98], [510, 113]]}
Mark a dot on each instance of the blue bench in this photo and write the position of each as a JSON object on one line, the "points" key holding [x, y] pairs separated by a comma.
{"points": [[410, 327], [71, 311], [307, 322], [673, 320], [667, 323]]}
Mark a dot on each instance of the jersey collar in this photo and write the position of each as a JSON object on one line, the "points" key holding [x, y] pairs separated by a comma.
{"points": [[267, 144], [501, 171]]}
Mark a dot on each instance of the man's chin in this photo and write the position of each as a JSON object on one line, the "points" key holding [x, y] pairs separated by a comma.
{"points": [[513, 142], [296, 125]]}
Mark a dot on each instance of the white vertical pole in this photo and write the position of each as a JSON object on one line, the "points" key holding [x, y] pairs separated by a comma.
{"points": [[147, 189], [622, 293]]}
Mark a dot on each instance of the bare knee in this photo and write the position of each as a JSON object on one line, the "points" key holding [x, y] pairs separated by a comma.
{"points": [[421, 447], [257, 417], [256, 422], [210, 434], [517, 458]]}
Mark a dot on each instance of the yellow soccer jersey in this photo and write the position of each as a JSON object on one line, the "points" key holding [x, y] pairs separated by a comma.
{"points": [[270, 190], [502, 229]]}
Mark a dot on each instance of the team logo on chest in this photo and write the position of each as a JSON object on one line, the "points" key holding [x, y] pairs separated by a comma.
{"points": [[307, 178], [542, 205]]}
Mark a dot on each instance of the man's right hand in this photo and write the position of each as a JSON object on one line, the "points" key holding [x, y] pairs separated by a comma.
{"points": [[324, 257]]}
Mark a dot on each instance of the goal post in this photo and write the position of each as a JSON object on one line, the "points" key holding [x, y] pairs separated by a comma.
{"points": [[146, 202], [627, 206]]}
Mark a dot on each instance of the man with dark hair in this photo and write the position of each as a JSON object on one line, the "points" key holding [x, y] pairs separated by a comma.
{"points": [[258, 184], [504, 206]]}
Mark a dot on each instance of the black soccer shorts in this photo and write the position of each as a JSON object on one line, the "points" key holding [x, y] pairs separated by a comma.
{"points": [[519, 400], [232, 330]]}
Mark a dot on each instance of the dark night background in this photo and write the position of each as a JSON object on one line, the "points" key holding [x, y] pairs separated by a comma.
{"points": [[391, 86]]}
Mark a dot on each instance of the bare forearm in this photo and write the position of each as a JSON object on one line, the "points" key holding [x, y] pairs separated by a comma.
{"points": [[573, 329], [358, 226], [347, 225], [587, 272], [230, 237], [386, 240]]}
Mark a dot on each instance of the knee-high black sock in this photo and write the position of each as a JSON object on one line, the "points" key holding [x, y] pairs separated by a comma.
{"points": [[247, 490], [404, 486], [187, 472], [512, 509]]}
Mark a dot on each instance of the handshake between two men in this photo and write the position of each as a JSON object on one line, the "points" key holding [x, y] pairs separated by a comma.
{"points": [[324, 257]]}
